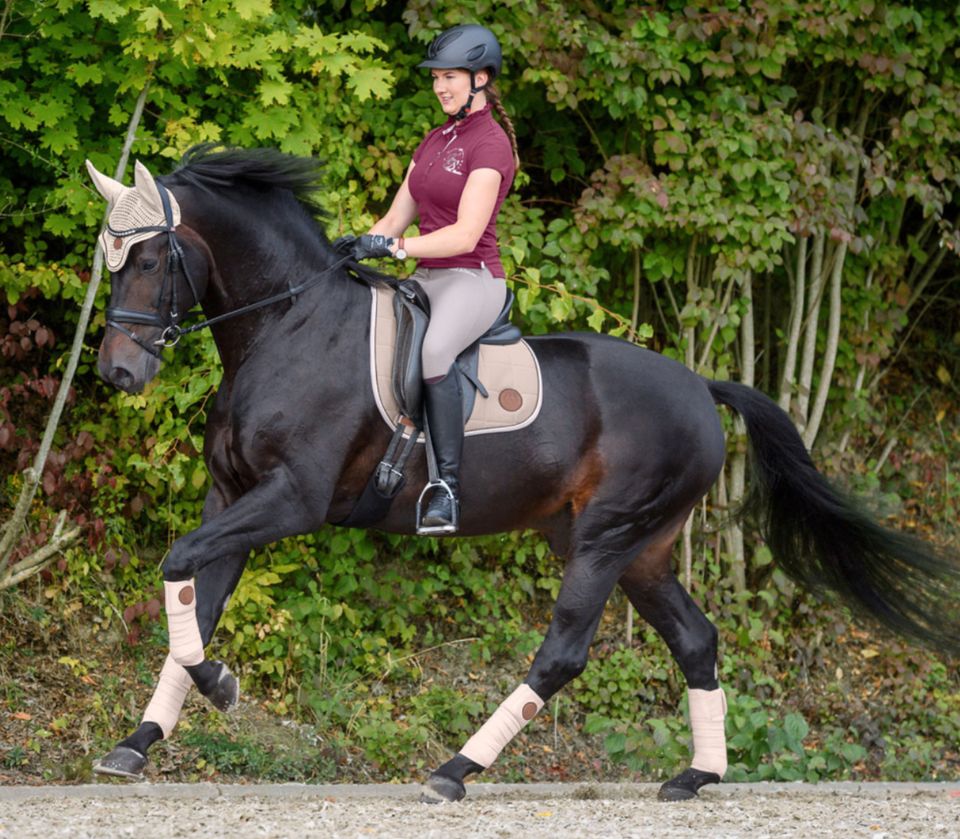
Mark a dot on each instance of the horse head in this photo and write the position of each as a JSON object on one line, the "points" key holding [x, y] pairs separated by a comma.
{"points": [[159, 269]]}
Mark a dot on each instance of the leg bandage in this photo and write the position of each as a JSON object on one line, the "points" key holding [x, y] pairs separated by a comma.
{"points": [[514, 713], [186, 646], [168, 696], [708, 709]]}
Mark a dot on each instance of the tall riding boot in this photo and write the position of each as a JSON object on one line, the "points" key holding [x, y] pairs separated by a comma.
{"points": [[442, 401]]}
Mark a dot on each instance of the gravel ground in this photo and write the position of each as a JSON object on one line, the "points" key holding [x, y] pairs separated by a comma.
{"points": [[490, 811]]}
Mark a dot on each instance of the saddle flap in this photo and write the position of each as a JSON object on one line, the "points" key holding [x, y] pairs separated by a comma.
{"points": [[412, 312]]}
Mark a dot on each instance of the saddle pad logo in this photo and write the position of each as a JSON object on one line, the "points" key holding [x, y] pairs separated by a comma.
{"points": [[454, 162]]}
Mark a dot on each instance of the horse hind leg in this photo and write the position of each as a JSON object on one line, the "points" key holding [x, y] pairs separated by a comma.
{"points": [[588, 580], [659, 599], [128, 758]]}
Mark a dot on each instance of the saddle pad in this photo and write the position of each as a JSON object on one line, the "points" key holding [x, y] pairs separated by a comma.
{"points": [[511, 375]]}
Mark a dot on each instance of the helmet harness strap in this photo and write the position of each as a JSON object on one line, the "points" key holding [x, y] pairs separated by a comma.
{"points": [[474, 90]]}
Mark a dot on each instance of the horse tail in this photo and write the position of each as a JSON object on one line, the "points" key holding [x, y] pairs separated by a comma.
{"points": [[827, 543]]}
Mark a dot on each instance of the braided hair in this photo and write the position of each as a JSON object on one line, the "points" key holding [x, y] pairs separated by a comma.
{"points": [[493, 97]]}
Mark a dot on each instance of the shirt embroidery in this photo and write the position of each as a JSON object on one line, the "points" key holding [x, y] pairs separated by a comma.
{"points": [[454, 162]]}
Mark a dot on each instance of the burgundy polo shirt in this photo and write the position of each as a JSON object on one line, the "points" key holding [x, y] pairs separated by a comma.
{"points": [[444, 161]]}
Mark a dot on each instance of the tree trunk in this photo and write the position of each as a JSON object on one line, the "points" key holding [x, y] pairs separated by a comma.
{"points": [[788, 376], [738, 463], [830, 351], [810, 333]]}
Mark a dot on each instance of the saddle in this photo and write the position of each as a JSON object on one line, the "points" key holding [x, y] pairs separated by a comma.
{"points": [[399, 321], [411, 309]]}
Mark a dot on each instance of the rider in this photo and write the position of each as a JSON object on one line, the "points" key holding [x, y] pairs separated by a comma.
{"points": [[456, 183]]}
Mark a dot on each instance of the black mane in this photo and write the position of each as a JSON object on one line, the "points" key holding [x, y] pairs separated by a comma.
{"points": [[213, 167]]}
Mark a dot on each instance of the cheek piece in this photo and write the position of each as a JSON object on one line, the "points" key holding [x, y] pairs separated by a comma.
{"points": [[514, 713], [186, 645]]}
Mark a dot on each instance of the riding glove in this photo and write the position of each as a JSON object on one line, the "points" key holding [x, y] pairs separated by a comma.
{"points": [[366, 246]]}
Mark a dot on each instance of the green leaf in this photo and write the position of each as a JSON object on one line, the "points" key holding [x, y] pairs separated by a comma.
{"points": [[371, 81], [250, 9]]}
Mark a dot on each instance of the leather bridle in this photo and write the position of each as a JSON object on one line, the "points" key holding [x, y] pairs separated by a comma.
{"points": [[170, 325], [172, 329]]}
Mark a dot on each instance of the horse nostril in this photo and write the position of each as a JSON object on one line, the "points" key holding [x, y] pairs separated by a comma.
{"points": [[122, 378]]}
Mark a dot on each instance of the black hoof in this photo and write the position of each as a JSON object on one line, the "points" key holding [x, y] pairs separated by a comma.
{"points": [[122, 762], [685, 785], [226, 692], [441, 788]]}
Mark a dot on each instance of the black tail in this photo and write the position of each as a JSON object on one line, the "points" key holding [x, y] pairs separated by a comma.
{"points": [[824, 541]]}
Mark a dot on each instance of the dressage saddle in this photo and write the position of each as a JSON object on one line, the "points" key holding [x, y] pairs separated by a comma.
{"points": [[411, 309]]}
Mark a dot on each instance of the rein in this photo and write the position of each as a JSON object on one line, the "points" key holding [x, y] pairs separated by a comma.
{"points": [[172, 330]]}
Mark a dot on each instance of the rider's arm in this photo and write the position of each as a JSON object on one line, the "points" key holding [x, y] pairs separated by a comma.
{"points": [[473, 214], [402, 211]]}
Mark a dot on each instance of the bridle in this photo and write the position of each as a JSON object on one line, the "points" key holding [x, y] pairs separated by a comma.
{"points": [[172, 331]]}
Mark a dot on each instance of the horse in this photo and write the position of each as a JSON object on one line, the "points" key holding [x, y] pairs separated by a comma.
{"points": [[626, 444]]}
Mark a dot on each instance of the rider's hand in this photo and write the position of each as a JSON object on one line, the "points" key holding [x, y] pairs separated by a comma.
{"points": [[344, 244], [371, 246]]}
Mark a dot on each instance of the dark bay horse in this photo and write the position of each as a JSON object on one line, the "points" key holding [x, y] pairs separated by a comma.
{"points": [[626, 444]]}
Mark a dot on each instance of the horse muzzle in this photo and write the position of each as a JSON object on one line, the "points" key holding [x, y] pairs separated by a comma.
{"points": [[129, 367]]}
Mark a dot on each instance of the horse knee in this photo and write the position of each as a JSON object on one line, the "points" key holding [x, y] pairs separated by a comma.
{"points": [[177, 567]]}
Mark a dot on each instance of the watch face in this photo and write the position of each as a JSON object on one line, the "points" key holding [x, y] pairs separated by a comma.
{"points": [[400, 253]]}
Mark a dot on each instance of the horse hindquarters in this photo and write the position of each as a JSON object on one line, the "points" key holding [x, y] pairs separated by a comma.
{"points": [[630, 520]]}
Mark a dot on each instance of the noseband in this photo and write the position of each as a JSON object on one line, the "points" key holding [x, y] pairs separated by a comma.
{"points": [[172, 330], [170, 325]]}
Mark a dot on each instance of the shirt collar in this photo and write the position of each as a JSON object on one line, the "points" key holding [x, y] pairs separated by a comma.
{"points": [[471, 119]]}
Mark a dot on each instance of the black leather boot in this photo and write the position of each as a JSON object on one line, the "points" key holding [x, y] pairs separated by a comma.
{"points": [[443, 404]]}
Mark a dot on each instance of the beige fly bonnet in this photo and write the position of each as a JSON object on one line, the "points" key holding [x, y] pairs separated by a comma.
{"points": [[138, 208]]}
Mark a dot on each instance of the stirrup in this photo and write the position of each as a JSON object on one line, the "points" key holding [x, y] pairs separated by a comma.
{"points": [[438, 529]]}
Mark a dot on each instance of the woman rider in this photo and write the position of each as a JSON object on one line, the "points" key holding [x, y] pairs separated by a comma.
{"points": [[456, 183]]}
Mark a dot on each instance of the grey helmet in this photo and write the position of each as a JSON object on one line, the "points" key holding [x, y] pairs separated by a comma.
{"points": [[468, 47]]}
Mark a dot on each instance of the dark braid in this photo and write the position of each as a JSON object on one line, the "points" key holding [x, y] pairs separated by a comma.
{"points": [[493, 96]]}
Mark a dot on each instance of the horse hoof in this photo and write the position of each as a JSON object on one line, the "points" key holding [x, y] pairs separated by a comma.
{"points": [[226, 693], [442, 788], [122, 762], [685, 785]]}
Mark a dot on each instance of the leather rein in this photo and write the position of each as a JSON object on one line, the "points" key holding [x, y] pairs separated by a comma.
{"points": [[171, 326]]}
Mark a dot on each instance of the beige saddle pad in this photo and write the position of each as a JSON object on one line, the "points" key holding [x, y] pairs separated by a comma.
{"points": [[511, 375]]}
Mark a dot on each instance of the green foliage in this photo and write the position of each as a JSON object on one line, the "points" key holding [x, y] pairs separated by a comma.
{"points": [[762, 745], [674, 157]]}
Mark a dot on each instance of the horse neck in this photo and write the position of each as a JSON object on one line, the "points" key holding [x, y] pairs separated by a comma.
{"points": [[257, 255]]}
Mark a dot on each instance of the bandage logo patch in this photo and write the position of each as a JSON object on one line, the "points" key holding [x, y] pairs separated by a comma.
{"points": [[454, 162]]}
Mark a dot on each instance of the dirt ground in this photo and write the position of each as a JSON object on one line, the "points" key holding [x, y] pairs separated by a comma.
{"points": [[491, 811]]}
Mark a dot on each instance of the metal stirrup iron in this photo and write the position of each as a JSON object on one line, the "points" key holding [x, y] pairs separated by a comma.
{"points": [[436, 483]]}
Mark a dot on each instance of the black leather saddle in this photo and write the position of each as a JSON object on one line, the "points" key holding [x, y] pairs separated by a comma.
{"points": [[412, 311]]}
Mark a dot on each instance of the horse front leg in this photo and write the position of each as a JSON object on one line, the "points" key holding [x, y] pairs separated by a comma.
{"points": [[266, 513], [214, 576], [215, 583]]}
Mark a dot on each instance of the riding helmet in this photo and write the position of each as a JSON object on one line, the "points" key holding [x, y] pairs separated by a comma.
{"points": [[468, 47]]}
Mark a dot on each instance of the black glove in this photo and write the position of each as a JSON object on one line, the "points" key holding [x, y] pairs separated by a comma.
{"points": [[344, 244], [366, 246], [370, 246]]}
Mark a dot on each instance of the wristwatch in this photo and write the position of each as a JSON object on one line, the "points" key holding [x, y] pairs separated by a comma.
{"points": [[400, 253]]}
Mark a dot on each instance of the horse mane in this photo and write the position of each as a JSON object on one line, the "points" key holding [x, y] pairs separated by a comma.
{"points": [[213, 167]]}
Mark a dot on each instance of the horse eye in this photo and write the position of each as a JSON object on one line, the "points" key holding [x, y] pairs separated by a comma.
{"points": [[148, 265]]}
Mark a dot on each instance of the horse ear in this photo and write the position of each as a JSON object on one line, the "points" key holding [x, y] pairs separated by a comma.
{"points": [[110, 189], [147, 187]]}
